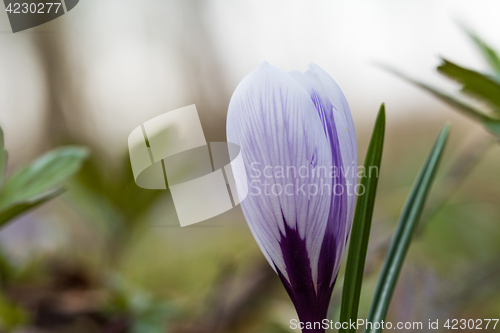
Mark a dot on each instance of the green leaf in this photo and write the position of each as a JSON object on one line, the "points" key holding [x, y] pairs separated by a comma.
{"points": [[361, 226], [488, 53], [450, 100], [493, 125], [16, 210], [404, 233], [44, 175], [474, 83]]}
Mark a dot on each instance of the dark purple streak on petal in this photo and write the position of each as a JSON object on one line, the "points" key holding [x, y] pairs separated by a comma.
{"points": [[300, 288]]}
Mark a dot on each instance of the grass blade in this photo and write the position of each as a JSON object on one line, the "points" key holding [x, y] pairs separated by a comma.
{"points": [[491, 124], [361, 226], [488, 52], [406, 227], [473, 83], [450, 100]]}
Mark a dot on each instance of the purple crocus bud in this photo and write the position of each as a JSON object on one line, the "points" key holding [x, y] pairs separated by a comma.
{"points": [[298, 143]]}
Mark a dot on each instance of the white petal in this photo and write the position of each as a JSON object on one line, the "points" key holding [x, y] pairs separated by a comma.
{"points": [[273, 120]]}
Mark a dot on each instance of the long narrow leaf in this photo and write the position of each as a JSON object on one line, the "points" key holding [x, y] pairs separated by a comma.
{"points": [[450, 100], [488, 52], [474, 83], [491, 124], [402, 238], [362, 225]]}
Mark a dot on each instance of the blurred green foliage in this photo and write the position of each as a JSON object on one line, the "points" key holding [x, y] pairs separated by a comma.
{"points": [[37, 183], [483, 87], [23, 190]]}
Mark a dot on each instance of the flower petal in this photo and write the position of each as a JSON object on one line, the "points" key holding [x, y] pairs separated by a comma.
{"points": [[300, 221], [273, 120], [345, 130], [337, 120]]}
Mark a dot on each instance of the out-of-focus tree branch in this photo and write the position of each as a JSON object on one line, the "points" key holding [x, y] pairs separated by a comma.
{"points": [[65, 120], [203, 68]]}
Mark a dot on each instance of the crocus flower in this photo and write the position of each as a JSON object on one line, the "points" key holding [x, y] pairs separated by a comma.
{"points": [[297, 139]]}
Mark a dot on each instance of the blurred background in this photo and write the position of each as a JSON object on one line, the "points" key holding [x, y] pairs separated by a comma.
{"points": [[107, 256]]}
